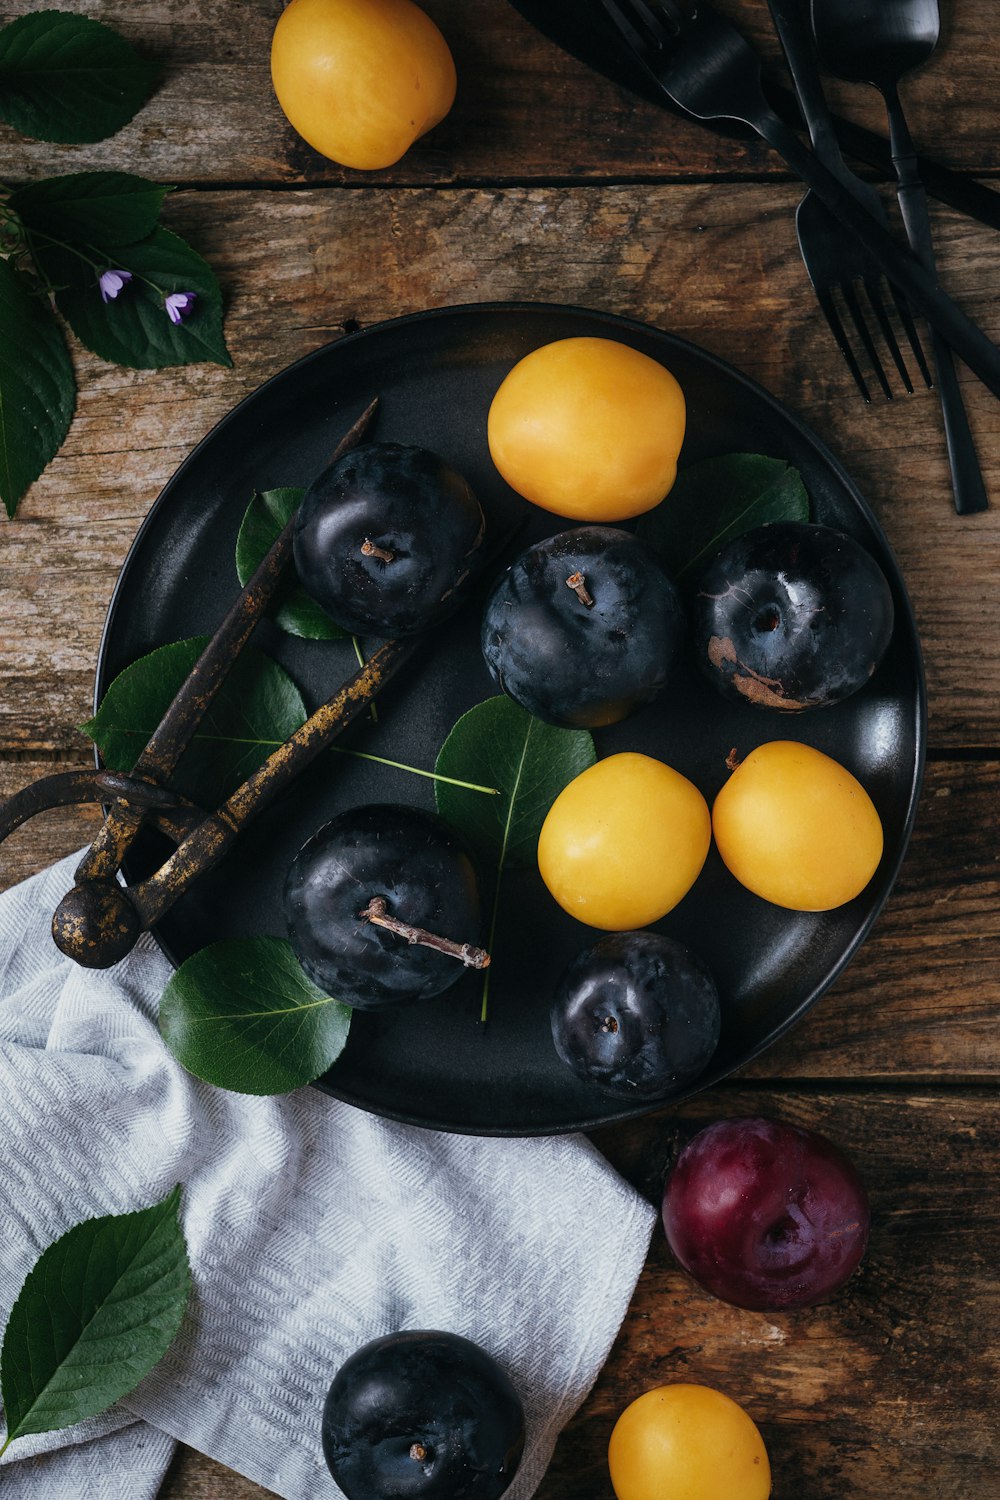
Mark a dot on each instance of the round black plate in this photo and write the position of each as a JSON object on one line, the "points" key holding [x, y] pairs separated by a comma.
{"points": [[436, 372]]}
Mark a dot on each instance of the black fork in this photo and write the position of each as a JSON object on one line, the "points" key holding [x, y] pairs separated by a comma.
{"points": [[702, 63]]}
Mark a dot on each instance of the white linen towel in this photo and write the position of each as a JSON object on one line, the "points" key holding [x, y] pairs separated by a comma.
{"points": [[312, 1227]]}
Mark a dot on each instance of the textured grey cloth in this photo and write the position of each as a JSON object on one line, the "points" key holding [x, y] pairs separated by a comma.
{"points": [[312, 1227]]}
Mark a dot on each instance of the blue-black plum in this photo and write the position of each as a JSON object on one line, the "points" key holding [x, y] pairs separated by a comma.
{"points": [[422, 1416], [637, 1015], [583, 627], [386, 537], [361, 878], [792, 616]]}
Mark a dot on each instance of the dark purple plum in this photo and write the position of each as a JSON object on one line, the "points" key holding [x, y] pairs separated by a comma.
{"points": [[361, 877], [637, 1015], [766, 1215], [583, 627], [792, 616], [422, 1416], [386, 537]]}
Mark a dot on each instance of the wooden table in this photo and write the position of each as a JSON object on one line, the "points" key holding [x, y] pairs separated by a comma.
{"points": [[548, 182]]}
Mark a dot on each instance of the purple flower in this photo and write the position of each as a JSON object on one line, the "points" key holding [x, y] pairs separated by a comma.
{"points": [[111, 283], [179, 305]]}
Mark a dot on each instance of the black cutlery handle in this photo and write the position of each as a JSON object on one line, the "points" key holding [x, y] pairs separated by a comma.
{"points": [[902, 267], [966, 474], [796, 43]]}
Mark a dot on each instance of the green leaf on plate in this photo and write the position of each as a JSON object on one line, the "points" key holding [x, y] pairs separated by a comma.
{"points": [[65, 77], [266, 517], [257, 708], [134, 329], [97, 1311], [91, 209], [243, 1015], [499, 744], [715, 500], [37, 387]]}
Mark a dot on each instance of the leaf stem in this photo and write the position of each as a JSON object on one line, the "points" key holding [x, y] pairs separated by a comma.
{"points": [[398, 765], [6, 1444]]}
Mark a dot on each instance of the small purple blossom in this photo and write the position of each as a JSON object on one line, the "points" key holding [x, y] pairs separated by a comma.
{"points": [[179, 305], [112, 282]]}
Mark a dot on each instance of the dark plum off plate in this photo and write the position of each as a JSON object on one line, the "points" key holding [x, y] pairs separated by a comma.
{"points": [[433, 1064]]}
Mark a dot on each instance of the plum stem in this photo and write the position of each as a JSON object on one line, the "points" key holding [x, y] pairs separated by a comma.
{"points": [[372, 549], [578, 584], [377, 912], [418, 1452], [734, 759]]}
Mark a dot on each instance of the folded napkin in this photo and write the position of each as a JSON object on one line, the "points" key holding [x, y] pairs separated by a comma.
{"points": [[312, 1227]]}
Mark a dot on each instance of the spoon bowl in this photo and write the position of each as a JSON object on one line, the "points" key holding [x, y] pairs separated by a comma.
{"points": [[875, 41]]}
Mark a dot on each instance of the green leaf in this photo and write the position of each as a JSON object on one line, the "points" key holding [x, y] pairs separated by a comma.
{"points": [[257, 708], [37, 388], [134, 329], [498, 744], [97, 1311], [266, 517], [67, 78], [90, 208], [243, 1015], [715, 500]]}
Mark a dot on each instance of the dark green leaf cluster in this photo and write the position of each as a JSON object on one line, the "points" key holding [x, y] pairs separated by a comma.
{"points": [[98, 1310], [68, 78]]}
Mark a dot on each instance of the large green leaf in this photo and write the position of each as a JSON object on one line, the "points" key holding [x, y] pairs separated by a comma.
{"points": [[97, 1311], [91, 209], [256, 709], [66, 78], [243, 1015], [266, 517], [498, 744], [715, 500], [37, 388], [134, 329]]}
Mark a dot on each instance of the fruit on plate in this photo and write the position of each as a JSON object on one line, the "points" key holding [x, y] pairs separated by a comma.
{"points": [[361, 80], [382, 906], [795, 827], [792, 616], [637, 1015], [422, 1416], [687, 1442], [624, 842], [589, 428], [766, 1215], [583, 627], [385, 538]]}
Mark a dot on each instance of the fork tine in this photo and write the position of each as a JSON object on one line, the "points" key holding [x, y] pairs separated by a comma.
{"points": [[864, 334], [882, 318], [832, 317], [906, 318]]}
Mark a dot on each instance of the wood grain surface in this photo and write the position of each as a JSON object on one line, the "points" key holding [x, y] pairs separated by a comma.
{"points": [[551, 183]]}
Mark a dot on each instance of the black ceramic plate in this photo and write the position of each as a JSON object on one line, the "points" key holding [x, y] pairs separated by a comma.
{"points": [[436, 373]]}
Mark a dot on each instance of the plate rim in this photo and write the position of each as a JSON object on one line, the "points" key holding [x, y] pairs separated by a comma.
{"points": [[623, 323]]}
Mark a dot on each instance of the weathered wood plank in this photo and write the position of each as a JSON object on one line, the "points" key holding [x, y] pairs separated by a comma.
{"points": [[887, 1389], [296, 266], [918, 1001], [525, 110]]}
